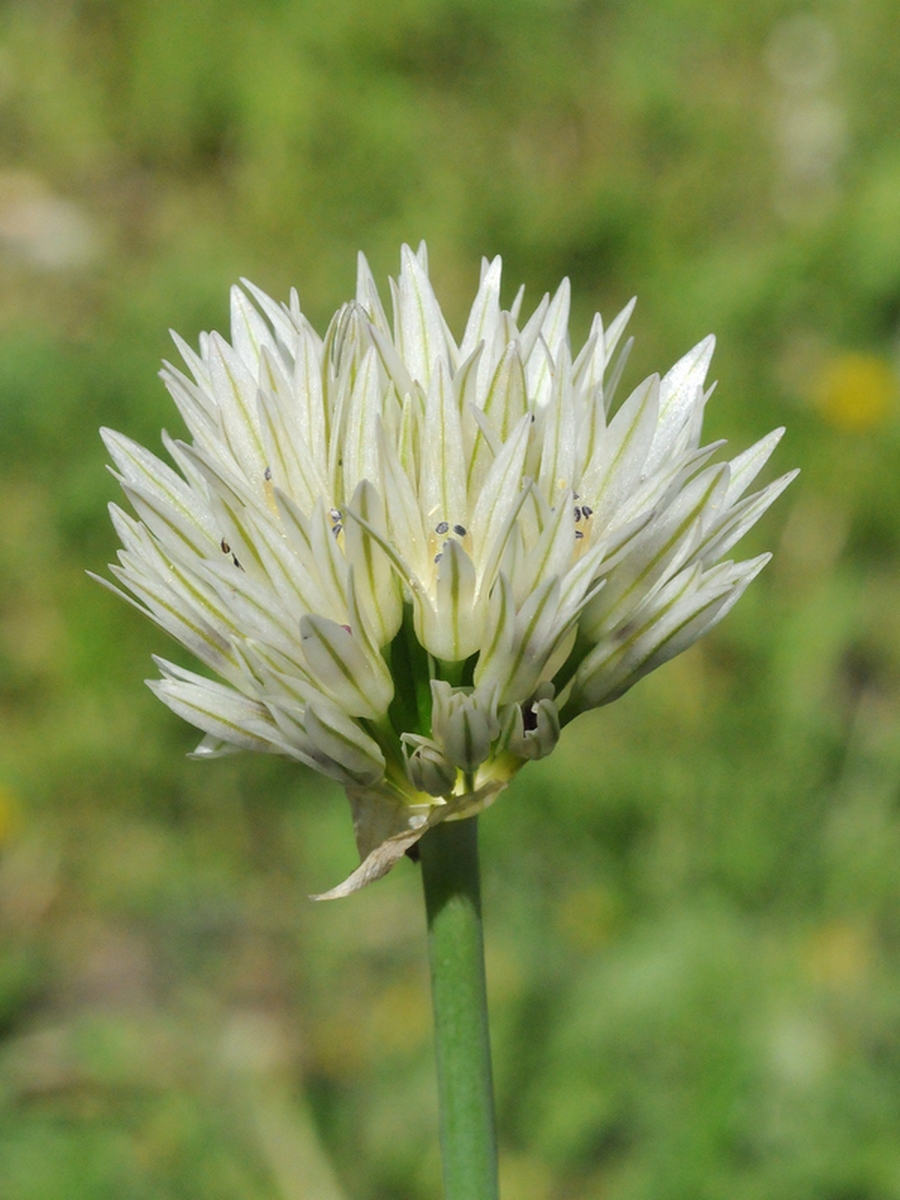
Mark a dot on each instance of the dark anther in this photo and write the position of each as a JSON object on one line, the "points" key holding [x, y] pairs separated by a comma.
{"points": [[337, 529], [578, 534], [226, 549], [577, 513], [442, 527], [267, 474], [587, 512], [459, 530], [438, 557]]}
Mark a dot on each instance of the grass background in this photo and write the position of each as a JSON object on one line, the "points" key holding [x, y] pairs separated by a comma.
{"points": [[693, 919]]}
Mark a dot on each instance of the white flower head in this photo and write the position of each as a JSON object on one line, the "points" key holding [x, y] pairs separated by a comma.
{"points": [[412, 560]]}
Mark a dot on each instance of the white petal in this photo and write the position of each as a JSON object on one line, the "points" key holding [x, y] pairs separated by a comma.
{"points": [[168, 501], [367, 295], [309, 393], [359, 683], [588, 367], [485, 314], [506, 399], [360, 441], [235, 391], [680, 393], [285, 322], [729, 531], [451, 625], [292, 466], [421, 332], [443, 483], [515, 668], [657, 552], [617, 328], [745, 467], [686, 608], [403, 513], [334, 734], [375, 580], [557, 470], [249, 332], [552, 554], [215, 709], [618, 461], [501, 492], [553, 333]]}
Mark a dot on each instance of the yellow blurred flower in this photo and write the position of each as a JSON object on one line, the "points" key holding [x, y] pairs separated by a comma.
{"points": [[855, 391]]}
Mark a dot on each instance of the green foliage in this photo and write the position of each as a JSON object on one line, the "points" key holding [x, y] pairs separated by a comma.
{"points": [[692, 906]]}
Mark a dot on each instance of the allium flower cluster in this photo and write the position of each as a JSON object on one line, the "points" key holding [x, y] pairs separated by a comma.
{"points": [[412, 560]]}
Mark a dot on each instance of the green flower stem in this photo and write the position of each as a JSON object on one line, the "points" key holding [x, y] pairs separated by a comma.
{"points": [[449, 855]]}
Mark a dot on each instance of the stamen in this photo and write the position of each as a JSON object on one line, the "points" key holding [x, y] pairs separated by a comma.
{"points": [[586, 511], [226, 549], [442, 527], [267, 474], [577, 513], [578, 534], [459, 530]]}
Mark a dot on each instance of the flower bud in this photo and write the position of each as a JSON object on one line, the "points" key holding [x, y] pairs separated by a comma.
{"points": [[341, 742], [464, 721], [427, 768], [534, 729]]}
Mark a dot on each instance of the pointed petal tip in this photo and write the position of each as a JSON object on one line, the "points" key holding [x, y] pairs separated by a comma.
{"points": [[696, 360], [99, 579], [168, 669], [751, 568], [182, 346]]}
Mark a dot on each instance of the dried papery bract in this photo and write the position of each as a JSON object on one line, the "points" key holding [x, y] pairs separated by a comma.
{"points": [[411, 561]]}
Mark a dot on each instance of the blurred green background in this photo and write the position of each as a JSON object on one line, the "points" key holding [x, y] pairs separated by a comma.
{"points": [[694, 906]]}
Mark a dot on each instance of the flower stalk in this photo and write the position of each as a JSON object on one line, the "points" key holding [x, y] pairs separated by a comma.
{"points": [[449, 856]]}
